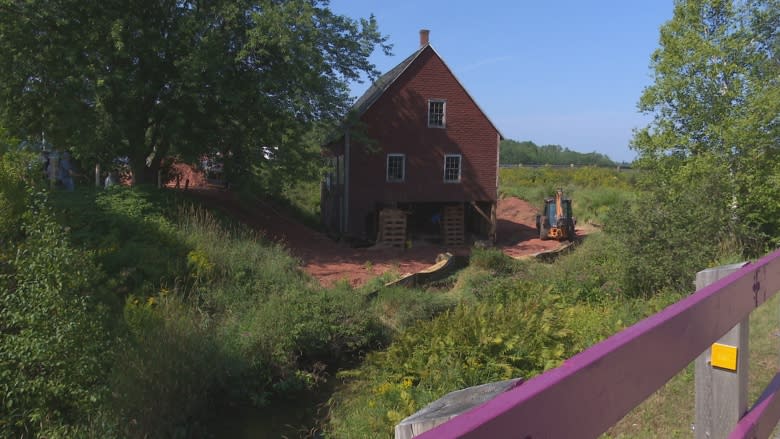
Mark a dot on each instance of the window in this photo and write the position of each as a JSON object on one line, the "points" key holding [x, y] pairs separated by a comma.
{"points": [[436, 113], [452, 168], [395, 167]]}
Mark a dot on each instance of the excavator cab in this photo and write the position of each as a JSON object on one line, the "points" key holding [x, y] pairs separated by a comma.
{"points": [[556, 220]]}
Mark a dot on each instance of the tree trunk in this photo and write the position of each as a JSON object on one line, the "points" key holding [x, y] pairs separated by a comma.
{"points": [[143, 174]]}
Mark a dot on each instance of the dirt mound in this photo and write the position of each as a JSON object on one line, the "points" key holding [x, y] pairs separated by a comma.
{"points": [[185, 175], [516, 228]]}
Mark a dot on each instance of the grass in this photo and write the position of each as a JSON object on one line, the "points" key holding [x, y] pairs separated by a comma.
{"points": [[593, 190], [514, 319], [217, 316], [669, 412], [302, 201], [253, 329]]}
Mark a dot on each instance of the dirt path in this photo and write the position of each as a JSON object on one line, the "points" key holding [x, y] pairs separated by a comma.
{"points": [[330, 261], [516, 229]]}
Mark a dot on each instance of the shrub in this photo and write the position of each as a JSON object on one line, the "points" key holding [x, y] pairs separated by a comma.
{"points": [[54, 335], [493, 260], [671, 233], [14, 177], [466, 346]]}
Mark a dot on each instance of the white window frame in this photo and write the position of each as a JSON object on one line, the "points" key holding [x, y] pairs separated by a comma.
{"points": [[443, 103], [403, 168], [460, 167]]}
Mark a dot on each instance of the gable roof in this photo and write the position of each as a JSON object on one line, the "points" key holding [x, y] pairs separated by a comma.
{"points": [[378, 88], [383, 83]]}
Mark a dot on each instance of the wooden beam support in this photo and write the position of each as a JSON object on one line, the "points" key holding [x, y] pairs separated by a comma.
{"points": [[480, 211], [762, 418], [721, 395], [493, 222]]}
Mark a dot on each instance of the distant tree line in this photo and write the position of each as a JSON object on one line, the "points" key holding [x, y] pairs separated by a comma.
{"points": [[527, 152]]}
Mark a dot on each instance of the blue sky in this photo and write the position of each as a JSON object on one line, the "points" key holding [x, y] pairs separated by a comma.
{"points": [[561, 72]]}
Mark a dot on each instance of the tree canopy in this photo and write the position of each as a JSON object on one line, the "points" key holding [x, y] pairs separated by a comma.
{"points": [[716, 105], [527, 152], [250, 79]]}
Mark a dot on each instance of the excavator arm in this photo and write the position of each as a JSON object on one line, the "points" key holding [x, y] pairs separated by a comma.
{"points": [[558, 205], [560, 225]]}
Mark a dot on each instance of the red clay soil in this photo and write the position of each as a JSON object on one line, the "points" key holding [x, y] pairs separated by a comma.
{"points": [[516, 229], [185, 175], [330, 261]]}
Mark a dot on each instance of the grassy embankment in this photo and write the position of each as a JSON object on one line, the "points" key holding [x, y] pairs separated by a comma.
{"points": [[206, 312], [215, 315], [189, 313]]}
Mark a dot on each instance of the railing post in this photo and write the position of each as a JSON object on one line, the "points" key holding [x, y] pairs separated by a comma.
{"points": [[450, 406], [721, 394]]}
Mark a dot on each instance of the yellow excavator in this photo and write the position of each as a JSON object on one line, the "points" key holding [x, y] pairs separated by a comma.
{"points": [[556, 220]]}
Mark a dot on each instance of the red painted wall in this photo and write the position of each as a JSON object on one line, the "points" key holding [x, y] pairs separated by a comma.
{"points": [[398, 122]]}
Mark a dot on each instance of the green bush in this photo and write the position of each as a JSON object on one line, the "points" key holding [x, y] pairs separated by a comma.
{"points": [[14, 178], [54, 331], [467, 346], [399, 308], [520, 319], [493, 260], [678, 229]]}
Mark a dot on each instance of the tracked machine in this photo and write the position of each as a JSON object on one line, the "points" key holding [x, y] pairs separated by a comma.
{"points": [[556, 220]]}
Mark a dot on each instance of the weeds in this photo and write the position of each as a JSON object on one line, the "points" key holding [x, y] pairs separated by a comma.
{"points": [[515, 319], [593, 190]]}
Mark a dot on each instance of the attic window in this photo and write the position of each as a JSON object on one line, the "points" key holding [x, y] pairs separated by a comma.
{"points": [[452, 168], [436, 113], [395, 168]]}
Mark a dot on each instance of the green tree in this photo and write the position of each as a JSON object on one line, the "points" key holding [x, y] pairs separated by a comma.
{"points": [[679, 227], [6, 141], [251, 79], [716, 95], [527, 152]]}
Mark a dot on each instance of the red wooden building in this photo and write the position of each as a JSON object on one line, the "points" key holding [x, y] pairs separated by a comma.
{"points": [[421, 163]]}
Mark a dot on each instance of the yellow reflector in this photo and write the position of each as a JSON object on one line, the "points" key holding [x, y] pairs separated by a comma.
{"points": [[724, 356]]}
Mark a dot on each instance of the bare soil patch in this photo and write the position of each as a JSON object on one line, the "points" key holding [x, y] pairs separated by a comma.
{"points": [[330, 261]]}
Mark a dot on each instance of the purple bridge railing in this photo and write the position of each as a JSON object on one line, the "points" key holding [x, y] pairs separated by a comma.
{"points": [[593, 390]]}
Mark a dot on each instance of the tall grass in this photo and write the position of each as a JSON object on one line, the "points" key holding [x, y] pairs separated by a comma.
{"points": [[669, 412], [244, 325], [517, 319], [216, 316], [593, 190]]}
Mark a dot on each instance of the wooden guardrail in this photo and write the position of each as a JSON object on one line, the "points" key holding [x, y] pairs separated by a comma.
{"points": [[593, 390]]}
